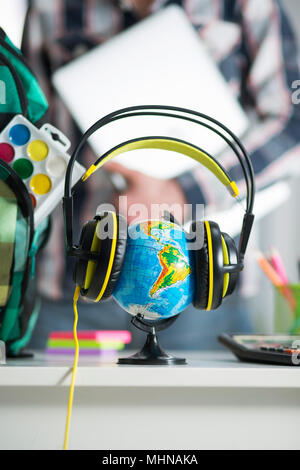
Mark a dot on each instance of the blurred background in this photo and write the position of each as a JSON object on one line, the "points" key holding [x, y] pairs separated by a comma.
{"points": [[280, 228]]}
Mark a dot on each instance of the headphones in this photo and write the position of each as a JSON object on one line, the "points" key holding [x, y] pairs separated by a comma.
{"points": [[217, 263]]}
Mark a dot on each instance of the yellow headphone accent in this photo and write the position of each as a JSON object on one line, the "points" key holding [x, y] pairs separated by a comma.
{"points": [[171, 145], [111, 258], [91, 266], [226, 261], [210, 266], [90, 270]]}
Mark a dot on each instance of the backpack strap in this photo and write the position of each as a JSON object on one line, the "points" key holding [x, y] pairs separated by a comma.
{"points": [[29, 94], [8, 221], [10, 177], [23, 308], [23, 228]]}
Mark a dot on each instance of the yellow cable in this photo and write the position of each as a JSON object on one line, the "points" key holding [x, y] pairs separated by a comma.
{"points": [[71, 392]]}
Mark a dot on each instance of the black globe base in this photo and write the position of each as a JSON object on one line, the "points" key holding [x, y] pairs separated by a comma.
{"points": [[151, 353]]}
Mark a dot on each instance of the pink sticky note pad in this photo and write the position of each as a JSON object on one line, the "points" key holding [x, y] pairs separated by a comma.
{"points": [[95, 335]]}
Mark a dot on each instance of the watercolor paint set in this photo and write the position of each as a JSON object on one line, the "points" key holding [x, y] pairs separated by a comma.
{"points": [[40, 158]]}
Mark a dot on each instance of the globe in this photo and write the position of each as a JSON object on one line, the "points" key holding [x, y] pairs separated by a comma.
{"points": [[157, 278]]}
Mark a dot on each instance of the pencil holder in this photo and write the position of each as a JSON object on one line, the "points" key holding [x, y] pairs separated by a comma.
{"points": [[287, 309]]}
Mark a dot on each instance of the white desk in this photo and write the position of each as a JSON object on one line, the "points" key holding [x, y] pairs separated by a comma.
{"points": [[213, 402]]}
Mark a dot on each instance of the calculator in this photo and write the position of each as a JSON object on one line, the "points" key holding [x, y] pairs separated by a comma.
{"points": [[268, 349]]}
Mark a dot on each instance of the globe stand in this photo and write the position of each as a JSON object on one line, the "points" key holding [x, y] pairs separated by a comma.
{"points": [[151, 353]]}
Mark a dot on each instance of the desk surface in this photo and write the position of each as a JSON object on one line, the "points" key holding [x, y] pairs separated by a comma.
{"points": [[204, 369]]}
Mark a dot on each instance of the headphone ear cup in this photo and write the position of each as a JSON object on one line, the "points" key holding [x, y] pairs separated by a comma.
{"points": [[216, 259], [209, 268], [85, 243], [119, 257], [233, 259], [201, 268], [111, 257]]}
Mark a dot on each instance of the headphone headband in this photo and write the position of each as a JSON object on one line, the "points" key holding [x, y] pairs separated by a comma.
{"points": [[144, 110], [170, 144]]}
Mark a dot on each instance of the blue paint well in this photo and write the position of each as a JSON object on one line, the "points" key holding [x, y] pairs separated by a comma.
{"points": [[19, 134]]}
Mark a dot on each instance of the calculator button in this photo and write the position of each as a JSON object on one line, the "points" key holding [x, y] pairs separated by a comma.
{"points": [[292, 351]]}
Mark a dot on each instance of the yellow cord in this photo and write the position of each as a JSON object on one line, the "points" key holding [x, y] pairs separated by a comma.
{"points": [[71, 392]]}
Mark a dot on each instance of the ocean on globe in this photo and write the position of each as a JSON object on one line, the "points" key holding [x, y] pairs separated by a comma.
{"points": [[157, 278]]}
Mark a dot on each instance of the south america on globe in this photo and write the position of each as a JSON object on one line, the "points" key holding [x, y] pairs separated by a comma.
{"points": [[157, 278]]}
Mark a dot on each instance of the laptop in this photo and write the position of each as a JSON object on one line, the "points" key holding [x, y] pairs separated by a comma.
{"points": [[161, 60]]}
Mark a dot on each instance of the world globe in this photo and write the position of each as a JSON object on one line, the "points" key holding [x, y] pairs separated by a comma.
{"points": [[157, 277]]}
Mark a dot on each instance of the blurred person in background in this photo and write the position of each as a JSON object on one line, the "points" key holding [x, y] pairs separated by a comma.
{"points": [[254, 47]]}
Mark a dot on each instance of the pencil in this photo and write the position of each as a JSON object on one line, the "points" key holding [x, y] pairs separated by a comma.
{"points": [[269, 270], [277, 263], [277, 281]]}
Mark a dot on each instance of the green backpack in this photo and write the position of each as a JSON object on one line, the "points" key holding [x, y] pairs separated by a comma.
{"points": [[20, 93]]}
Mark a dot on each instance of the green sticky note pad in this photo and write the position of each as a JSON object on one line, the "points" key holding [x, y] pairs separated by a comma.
{"points": [[84, 344]]}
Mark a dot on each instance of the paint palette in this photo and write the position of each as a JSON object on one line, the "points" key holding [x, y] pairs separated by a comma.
{"points": [[39, 158]]}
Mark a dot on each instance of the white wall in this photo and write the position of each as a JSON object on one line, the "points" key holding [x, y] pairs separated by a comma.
{"points": [[293, 9], [282, 228], [12, 14]]}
